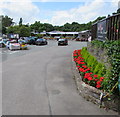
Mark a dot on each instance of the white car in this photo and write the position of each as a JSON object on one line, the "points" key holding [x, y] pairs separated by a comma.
{"points": [[13, 45]]}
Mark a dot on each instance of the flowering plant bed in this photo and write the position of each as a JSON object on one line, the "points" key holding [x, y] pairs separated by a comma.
{"points": [[86, 72], [89, 76]]}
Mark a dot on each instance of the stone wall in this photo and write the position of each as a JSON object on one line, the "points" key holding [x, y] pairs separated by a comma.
{"points": [[100, 54]]}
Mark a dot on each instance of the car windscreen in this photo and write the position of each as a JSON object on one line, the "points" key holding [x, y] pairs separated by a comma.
{"points": [[61, 39], [40, 39]]}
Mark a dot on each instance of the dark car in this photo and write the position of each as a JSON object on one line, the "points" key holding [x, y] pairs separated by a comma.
{"points": [[62, 42], [41, 42], [31, 40]]}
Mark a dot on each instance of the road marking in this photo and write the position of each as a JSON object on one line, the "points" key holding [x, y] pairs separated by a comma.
{"points": [[8, 52], [13, 52]]}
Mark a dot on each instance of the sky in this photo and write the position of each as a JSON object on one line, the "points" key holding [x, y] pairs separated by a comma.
{"points": [[57, 12]]}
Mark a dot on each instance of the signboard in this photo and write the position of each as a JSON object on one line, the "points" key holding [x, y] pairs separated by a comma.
{"points": [[101, 30]]}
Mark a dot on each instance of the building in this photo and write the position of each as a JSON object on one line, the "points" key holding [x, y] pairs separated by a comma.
{"points": [[83, 35], [60, 33]]}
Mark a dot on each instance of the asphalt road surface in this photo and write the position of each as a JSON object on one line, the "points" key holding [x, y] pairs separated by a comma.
{"points": [[39, 81]]}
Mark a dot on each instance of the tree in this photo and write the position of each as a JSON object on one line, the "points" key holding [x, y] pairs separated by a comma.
{"points": [[6, 21], [40, 27], [118, 11], [4, 30], [48, 27], [20, 22], [35, 27], [24, 31], [13, 29]]}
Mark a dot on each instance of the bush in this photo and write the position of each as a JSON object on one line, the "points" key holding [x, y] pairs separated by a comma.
{"points": [[113, 51], [95, 73]]}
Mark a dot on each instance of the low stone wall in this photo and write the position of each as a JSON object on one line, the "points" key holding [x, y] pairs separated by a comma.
{"points": [[93, 94], [100, 54]]}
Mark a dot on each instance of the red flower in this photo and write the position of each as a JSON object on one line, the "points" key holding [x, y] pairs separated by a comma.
{"points": [[81, 69], [101, 78], [78, 66], [87, 69], [95, 79], [95, 76], [79, 62], [89, 78], [86, 75], [82, 63], [98, 82], [90, 73], [98, 86], [84, 66]]}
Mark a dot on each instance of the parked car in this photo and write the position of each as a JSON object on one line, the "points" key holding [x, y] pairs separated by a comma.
{"points": [[5, 40], [41, 41], [2, 44], [31, 40], [62, 42], [23, 44], [13, 45], [7, 44]]}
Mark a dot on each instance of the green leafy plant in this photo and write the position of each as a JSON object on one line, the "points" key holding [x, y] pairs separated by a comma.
{"points": [[113, 51]]}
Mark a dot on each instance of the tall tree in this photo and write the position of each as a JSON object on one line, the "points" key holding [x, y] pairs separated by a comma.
{"points": [[20, 22]]}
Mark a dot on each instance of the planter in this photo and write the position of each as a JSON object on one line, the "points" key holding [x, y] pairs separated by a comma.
{"points": [[93, 94]]}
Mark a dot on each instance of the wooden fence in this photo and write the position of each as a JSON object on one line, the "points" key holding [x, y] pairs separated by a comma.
{"points": [[110, 28]]}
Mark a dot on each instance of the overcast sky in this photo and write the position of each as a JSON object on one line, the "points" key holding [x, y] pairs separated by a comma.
{"points": [[57, 12]]}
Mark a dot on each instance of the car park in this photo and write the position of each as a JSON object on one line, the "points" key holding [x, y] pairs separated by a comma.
{"points": [[41, 41], [62, 42]]}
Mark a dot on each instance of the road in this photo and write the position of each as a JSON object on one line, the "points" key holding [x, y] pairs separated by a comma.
{"points": [[39, 81]]}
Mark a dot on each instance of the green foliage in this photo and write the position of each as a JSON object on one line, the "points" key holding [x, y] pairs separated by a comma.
{"points": [[13, 29], [23, 31], [118, 11], [92, 62], [113, 51], [40, 27], [99, 18], [96, 67], [99, 69], [39, 35], [6, 21], [98, 43], [73, 27]]}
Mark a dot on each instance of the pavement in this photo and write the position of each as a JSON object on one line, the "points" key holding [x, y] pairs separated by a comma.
{"points": [[39, 81]]}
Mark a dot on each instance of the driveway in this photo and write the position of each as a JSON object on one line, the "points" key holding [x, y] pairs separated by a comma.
{"points": [[39, 81]]}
